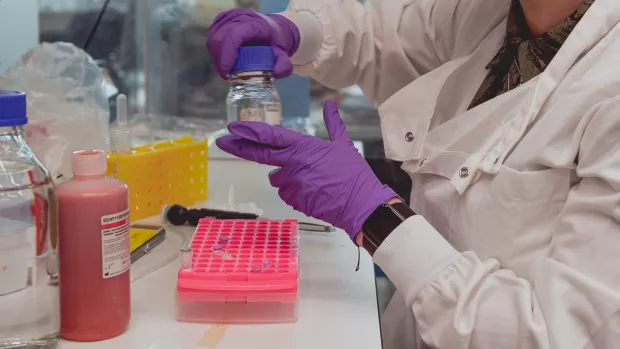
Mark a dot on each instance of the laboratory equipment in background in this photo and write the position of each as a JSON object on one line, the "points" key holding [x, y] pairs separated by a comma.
{"points": [[253, 95], [239, 271], [94, 235], [183, 87], [166, 172], [120, 134], [159, 173], [67, 106], [29, 301]]}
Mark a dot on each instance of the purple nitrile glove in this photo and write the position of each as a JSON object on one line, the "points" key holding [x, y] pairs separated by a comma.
{"points": [[327, 180], [238, 27]]}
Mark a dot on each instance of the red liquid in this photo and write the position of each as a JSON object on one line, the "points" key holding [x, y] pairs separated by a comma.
{"points": [[92, 307]]}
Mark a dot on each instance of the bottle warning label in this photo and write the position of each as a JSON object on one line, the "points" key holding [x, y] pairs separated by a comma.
{"points": [[115, 244]]}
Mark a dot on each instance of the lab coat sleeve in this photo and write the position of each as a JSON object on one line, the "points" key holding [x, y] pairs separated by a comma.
{"points": [[381, 45], [571, 298]]}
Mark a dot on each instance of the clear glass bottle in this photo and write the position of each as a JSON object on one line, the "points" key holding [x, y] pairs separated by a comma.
{"points": [[252, 95], [29, 295]]}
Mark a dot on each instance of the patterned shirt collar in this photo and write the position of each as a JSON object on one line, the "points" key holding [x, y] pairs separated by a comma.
{"points": [[522, 56]]}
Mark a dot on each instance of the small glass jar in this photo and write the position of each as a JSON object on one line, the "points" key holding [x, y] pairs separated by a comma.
{"points": [[252, 95]]}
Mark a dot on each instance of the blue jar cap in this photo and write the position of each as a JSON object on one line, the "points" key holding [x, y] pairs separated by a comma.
{"points": [[254, 58], [12, 108]]}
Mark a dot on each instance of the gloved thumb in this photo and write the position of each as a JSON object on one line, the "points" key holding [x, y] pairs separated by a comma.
{"points": [[282, 66], [335, 127]]}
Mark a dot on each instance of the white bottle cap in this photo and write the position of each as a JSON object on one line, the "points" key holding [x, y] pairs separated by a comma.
{"points": [[89, 163]]}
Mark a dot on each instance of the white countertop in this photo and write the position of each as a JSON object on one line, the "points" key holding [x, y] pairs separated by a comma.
{"points": [[337, 306]]}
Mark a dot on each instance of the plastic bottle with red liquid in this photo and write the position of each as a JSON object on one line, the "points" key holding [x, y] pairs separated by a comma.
{"points": [[95, 251]]}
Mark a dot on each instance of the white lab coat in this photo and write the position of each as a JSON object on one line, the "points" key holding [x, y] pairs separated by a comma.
{"points": [[517, 242]]}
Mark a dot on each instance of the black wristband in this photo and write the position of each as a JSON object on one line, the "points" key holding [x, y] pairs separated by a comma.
{"points": [[382, 223]]}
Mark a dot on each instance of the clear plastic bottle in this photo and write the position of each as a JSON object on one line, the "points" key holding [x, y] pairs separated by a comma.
{"points": [[94, 235], [29, 296], [252, 95]]}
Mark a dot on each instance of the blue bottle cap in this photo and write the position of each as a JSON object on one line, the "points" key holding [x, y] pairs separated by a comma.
{"points": [[12, 108], [254, 58]]}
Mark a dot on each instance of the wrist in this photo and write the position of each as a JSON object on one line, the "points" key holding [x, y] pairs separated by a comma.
{"points": [[394, 200], [382, 222], [359, 239]]}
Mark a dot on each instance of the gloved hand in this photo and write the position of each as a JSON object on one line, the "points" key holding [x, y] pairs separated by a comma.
{"points": [[327, 180], [234, 28]]}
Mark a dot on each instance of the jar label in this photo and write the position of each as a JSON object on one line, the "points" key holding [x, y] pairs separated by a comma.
{"points": [[250, 114], [273, 114], [115, 244]]}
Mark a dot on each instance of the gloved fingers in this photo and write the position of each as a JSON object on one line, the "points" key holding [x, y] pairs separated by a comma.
{"points": [[282, 66], [335, 127], [224, 41], [252, 151], [237, 20], [222, 49], [290, 194], [216, 37], [230, 15], [274, 171], [221, 19], [282, 193], [263, 133], [280, 176]]}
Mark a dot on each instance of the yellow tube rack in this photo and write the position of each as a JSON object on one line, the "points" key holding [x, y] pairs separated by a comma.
{"points": [[167, 172]]}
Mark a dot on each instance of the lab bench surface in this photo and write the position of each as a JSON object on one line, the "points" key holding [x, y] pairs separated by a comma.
{"points": [[337, 306]]}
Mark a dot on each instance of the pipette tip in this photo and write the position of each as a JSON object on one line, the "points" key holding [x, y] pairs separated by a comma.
{"points": [[121, 109]]}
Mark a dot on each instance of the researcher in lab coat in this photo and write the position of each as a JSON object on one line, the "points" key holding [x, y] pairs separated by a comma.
{"points": [[506, 115]]}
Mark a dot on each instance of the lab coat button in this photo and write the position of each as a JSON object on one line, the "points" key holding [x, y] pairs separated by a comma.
{"points": [[464, 172], [409, 137]]}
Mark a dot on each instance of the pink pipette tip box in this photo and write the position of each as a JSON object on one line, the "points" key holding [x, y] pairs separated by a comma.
{"points": [[240, 271]]}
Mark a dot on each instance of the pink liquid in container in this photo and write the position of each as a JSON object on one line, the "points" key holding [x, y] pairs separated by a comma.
{"points": [[239, 271], [94, 251]]}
